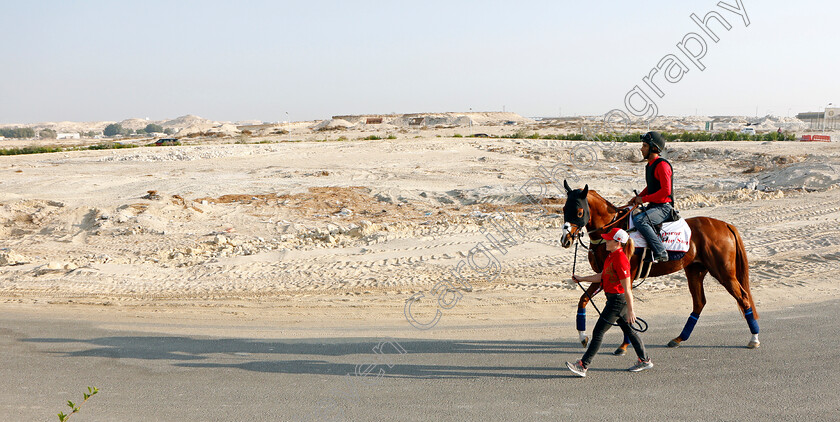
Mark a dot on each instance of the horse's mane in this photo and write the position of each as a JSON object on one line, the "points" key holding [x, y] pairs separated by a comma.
{"points": [[610, 205]]}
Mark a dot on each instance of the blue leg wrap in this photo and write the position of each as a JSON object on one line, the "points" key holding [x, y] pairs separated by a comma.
{"points": [[581, 319], [748, 314], [626, 339], [689, 326]]}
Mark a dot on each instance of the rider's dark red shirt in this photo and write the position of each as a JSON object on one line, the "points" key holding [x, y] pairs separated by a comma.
{"points": [[616, 268]]}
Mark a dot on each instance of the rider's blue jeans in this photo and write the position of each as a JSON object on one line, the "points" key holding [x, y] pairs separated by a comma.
{"points": [[644, 222]]}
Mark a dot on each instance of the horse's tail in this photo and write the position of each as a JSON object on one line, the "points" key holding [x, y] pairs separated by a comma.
{"points": [[742, 268]]}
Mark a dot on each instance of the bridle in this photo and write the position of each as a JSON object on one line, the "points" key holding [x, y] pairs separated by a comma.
{"points": [[578, 234]]}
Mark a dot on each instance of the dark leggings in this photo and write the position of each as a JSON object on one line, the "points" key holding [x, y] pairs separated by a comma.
{"points": [[616, 305]]}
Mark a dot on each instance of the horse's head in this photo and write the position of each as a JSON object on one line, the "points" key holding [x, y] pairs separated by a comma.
{"points": [[575, 214]]}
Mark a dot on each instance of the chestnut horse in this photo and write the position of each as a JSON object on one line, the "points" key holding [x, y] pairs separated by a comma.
{"points": [[716, 248]]}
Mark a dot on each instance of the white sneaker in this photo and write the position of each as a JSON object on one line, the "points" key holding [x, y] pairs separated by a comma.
{"points": [[641, 365], [577, 368]]}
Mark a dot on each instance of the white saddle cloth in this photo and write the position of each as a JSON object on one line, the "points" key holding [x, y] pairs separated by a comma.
{"points": [[675, 235]]}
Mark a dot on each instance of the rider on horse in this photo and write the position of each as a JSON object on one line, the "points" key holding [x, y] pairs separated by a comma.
{"points": [[715, 248], [658, 194]]}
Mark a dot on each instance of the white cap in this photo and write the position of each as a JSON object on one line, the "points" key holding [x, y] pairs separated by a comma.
{"points": [[616, 234]]}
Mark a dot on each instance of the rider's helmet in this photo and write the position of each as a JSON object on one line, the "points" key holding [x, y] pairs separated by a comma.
{"points": [[655, 140]]}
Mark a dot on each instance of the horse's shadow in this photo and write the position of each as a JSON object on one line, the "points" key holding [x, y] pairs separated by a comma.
{"points": [[694, 346], [400, 358], [411, 371]]}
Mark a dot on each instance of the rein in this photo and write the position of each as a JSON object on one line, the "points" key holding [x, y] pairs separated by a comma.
{"points": [[619, 217], [598, 240]]}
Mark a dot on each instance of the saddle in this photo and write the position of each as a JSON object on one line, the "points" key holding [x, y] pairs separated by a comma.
{"points": [[675, 235]]}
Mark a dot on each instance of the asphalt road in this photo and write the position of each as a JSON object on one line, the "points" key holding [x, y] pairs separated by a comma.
{"points": [[144, 376]]}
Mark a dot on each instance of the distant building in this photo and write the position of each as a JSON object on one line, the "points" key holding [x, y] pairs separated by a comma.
{"points": [[68, 136], [818, 120]]}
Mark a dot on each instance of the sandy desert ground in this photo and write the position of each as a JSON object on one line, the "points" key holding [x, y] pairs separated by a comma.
{"points": [[327, 233]]}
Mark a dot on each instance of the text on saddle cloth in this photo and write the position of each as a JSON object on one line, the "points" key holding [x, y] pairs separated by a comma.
{"points": [[675, 236]]}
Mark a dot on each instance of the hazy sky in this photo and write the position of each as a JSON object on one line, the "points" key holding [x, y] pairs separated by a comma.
{"points": [[111, 60]]}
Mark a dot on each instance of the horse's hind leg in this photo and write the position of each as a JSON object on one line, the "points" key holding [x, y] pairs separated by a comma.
{"points": [[580, 321], [730, 283], [695, 273]]}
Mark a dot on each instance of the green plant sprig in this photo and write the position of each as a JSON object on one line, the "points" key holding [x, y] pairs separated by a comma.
{"points": [[73, 408]]}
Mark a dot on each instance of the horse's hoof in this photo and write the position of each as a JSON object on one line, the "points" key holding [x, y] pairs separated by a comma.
{"points": [[674, 343], [753, 344], [584, 341], [621, 351]]}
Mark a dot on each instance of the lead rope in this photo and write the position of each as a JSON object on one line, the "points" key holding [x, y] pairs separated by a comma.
{"points": [[642, 324]]}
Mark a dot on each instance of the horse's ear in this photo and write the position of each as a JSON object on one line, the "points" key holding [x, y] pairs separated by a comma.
{"points": [[585, 190], [566, 185]]}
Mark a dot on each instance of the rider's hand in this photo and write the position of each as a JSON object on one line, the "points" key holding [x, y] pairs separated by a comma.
{"points": [[637, 200]]}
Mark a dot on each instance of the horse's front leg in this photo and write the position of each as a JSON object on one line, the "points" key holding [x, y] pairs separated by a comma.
{"points": [[622, 349], [694, 274], [580, 321]]}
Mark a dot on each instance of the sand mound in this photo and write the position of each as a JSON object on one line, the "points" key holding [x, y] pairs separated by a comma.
{"points": [[184, 153], [350, 203], [135, 124], [9, 257], [705, 154], [702, 200], [806, 175], [194, 129], [28, 216], [332, 124], [762, 124], [436, 119], [767, 123], [185, 121], [227, 129], [209, 128]]}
